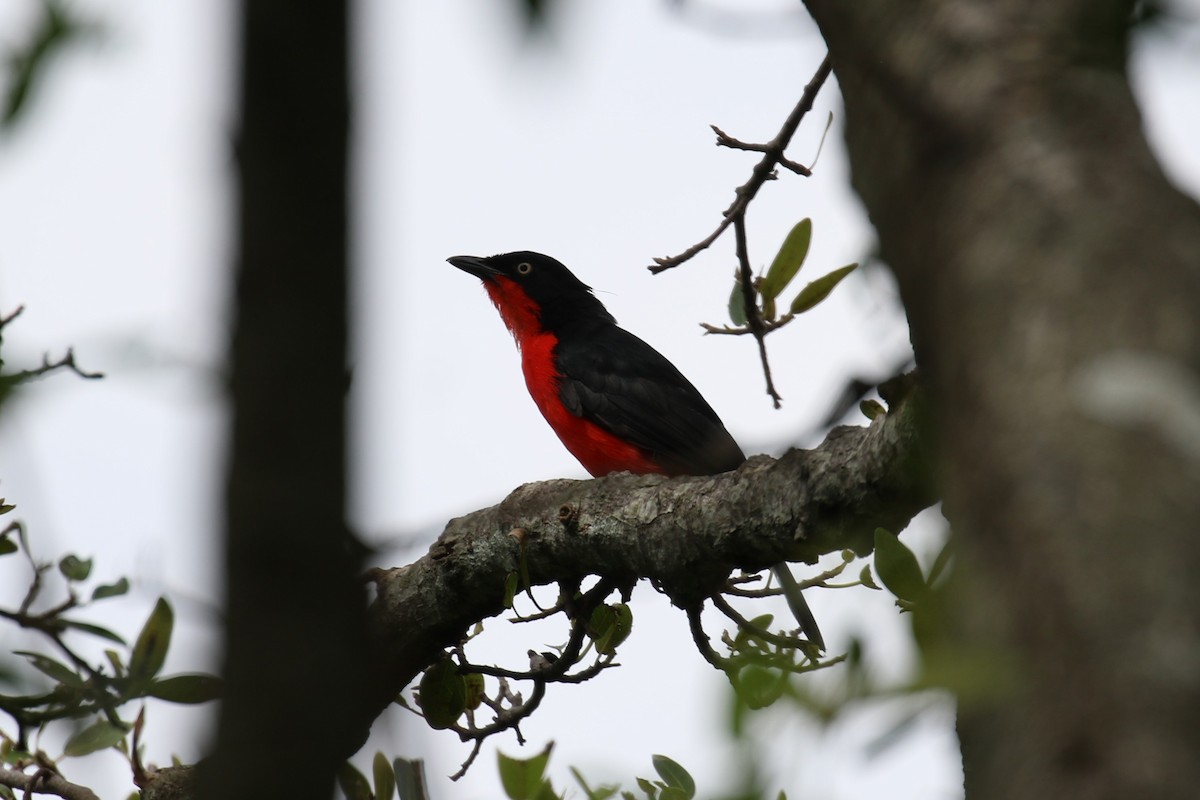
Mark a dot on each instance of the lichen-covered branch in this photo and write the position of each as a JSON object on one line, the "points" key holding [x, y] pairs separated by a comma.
{"points": [[687, 534]]}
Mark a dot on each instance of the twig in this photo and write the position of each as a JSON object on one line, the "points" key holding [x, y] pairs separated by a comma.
{"points": [[767, 326], [48, 366], [753, 317], [763, 171], [723, 606], [701, 640], [44, 781], [16, 313]]}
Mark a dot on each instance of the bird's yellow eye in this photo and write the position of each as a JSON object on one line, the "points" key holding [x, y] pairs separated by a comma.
{"points": [[524, 268]]}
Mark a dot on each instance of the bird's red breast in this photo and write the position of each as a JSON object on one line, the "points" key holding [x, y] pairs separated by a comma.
{"points": [[599, 451]]}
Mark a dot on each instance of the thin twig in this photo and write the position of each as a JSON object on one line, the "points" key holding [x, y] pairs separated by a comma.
{"points": [[701, 640], [48, 366], [763, 171], [753, 316], [16, 313], [722, 604], [767, 327]]}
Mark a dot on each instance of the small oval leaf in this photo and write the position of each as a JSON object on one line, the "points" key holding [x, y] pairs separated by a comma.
{"points": [[674, 775], [74, 568], [788, 260], [55, 670], [510, 589], [353, 783], [819, 289], [187, 689], [442, 694], [410, 779], [475, 689], [737, 304], [897, 567], [94, 630], [97, 736], [150, 649], [111, 589], [385, 778], [872, 409]]}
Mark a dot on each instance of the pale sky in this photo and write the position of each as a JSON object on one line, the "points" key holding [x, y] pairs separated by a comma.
{"points": [[592, 146]]}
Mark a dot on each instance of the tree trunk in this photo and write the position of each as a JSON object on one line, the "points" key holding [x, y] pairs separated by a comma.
{"points": [[296, 632], [1051, 275]]}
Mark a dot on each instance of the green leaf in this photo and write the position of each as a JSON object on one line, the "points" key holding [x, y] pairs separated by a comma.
{"points": [[546, 792], [673, 793], [74, 568], [385, 778], [111, 589], [511, 582], [97, 736], [674, 775], [601, 621], [7, 546], [865, 578], [821, 144], [758, 687], [150, 649], [353, 783], [602, 792], [522, 778], [872, 408], [788, 260], [649, 788], [609, 626], [624, 625], [410, 779], [897, 567], [442, 694], [819, 289], [475, 689], [737, 304], [188, 689], [56, 670], [942, 561], [5, 507], [94, 630], [114, 658]]}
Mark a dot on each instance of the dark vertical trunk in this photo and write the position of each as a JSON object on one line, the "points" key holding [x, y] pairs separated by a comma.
{"points": [[295, 642], [1051, 274]]}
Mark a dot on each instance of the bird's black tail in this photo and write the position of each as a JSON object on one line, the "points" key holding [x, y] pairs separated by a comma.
{"points": [[798, 605]]}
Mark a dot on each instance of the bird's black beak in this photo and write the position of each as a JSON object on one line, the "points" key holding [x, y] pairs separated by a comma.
{"points": [[475, 265]]}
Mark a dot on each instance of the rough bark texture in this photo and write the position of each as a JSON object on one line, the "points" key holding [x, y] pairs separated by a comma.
{"points": [[1051, 274], [686, 533], [295, 632]]}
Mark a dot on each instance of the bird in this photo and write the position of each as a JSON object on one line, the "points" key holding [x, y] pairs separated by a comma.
{"points": [[616, 403]]}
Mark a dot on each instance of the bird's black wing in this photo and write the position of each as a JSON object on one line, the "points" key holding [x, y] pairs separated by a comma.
{"points": [[614, 379]]}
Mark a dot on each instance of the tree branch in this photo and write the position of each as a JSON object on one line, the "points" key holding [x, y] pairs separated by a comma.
{"points": [[687, 534], [44, 781]]}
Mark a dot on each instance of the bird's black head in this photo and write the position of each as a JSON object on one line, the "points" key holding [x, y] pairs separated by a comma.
{"points": [[528, 282]]}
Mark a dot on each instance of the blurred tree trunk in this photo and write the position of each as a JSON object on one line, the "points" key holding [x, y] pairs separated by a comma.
{"points": [[295, 639], [1051, 274]]}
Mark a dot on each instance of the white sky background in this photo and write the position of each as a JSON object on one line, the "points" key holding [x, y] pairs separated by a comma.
{"points": [[592, 146]]}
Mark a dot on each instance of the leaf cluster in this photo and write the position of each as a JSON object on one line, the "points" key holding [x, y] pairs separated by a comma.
{"points": [[74, 690], [757, 303]]}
